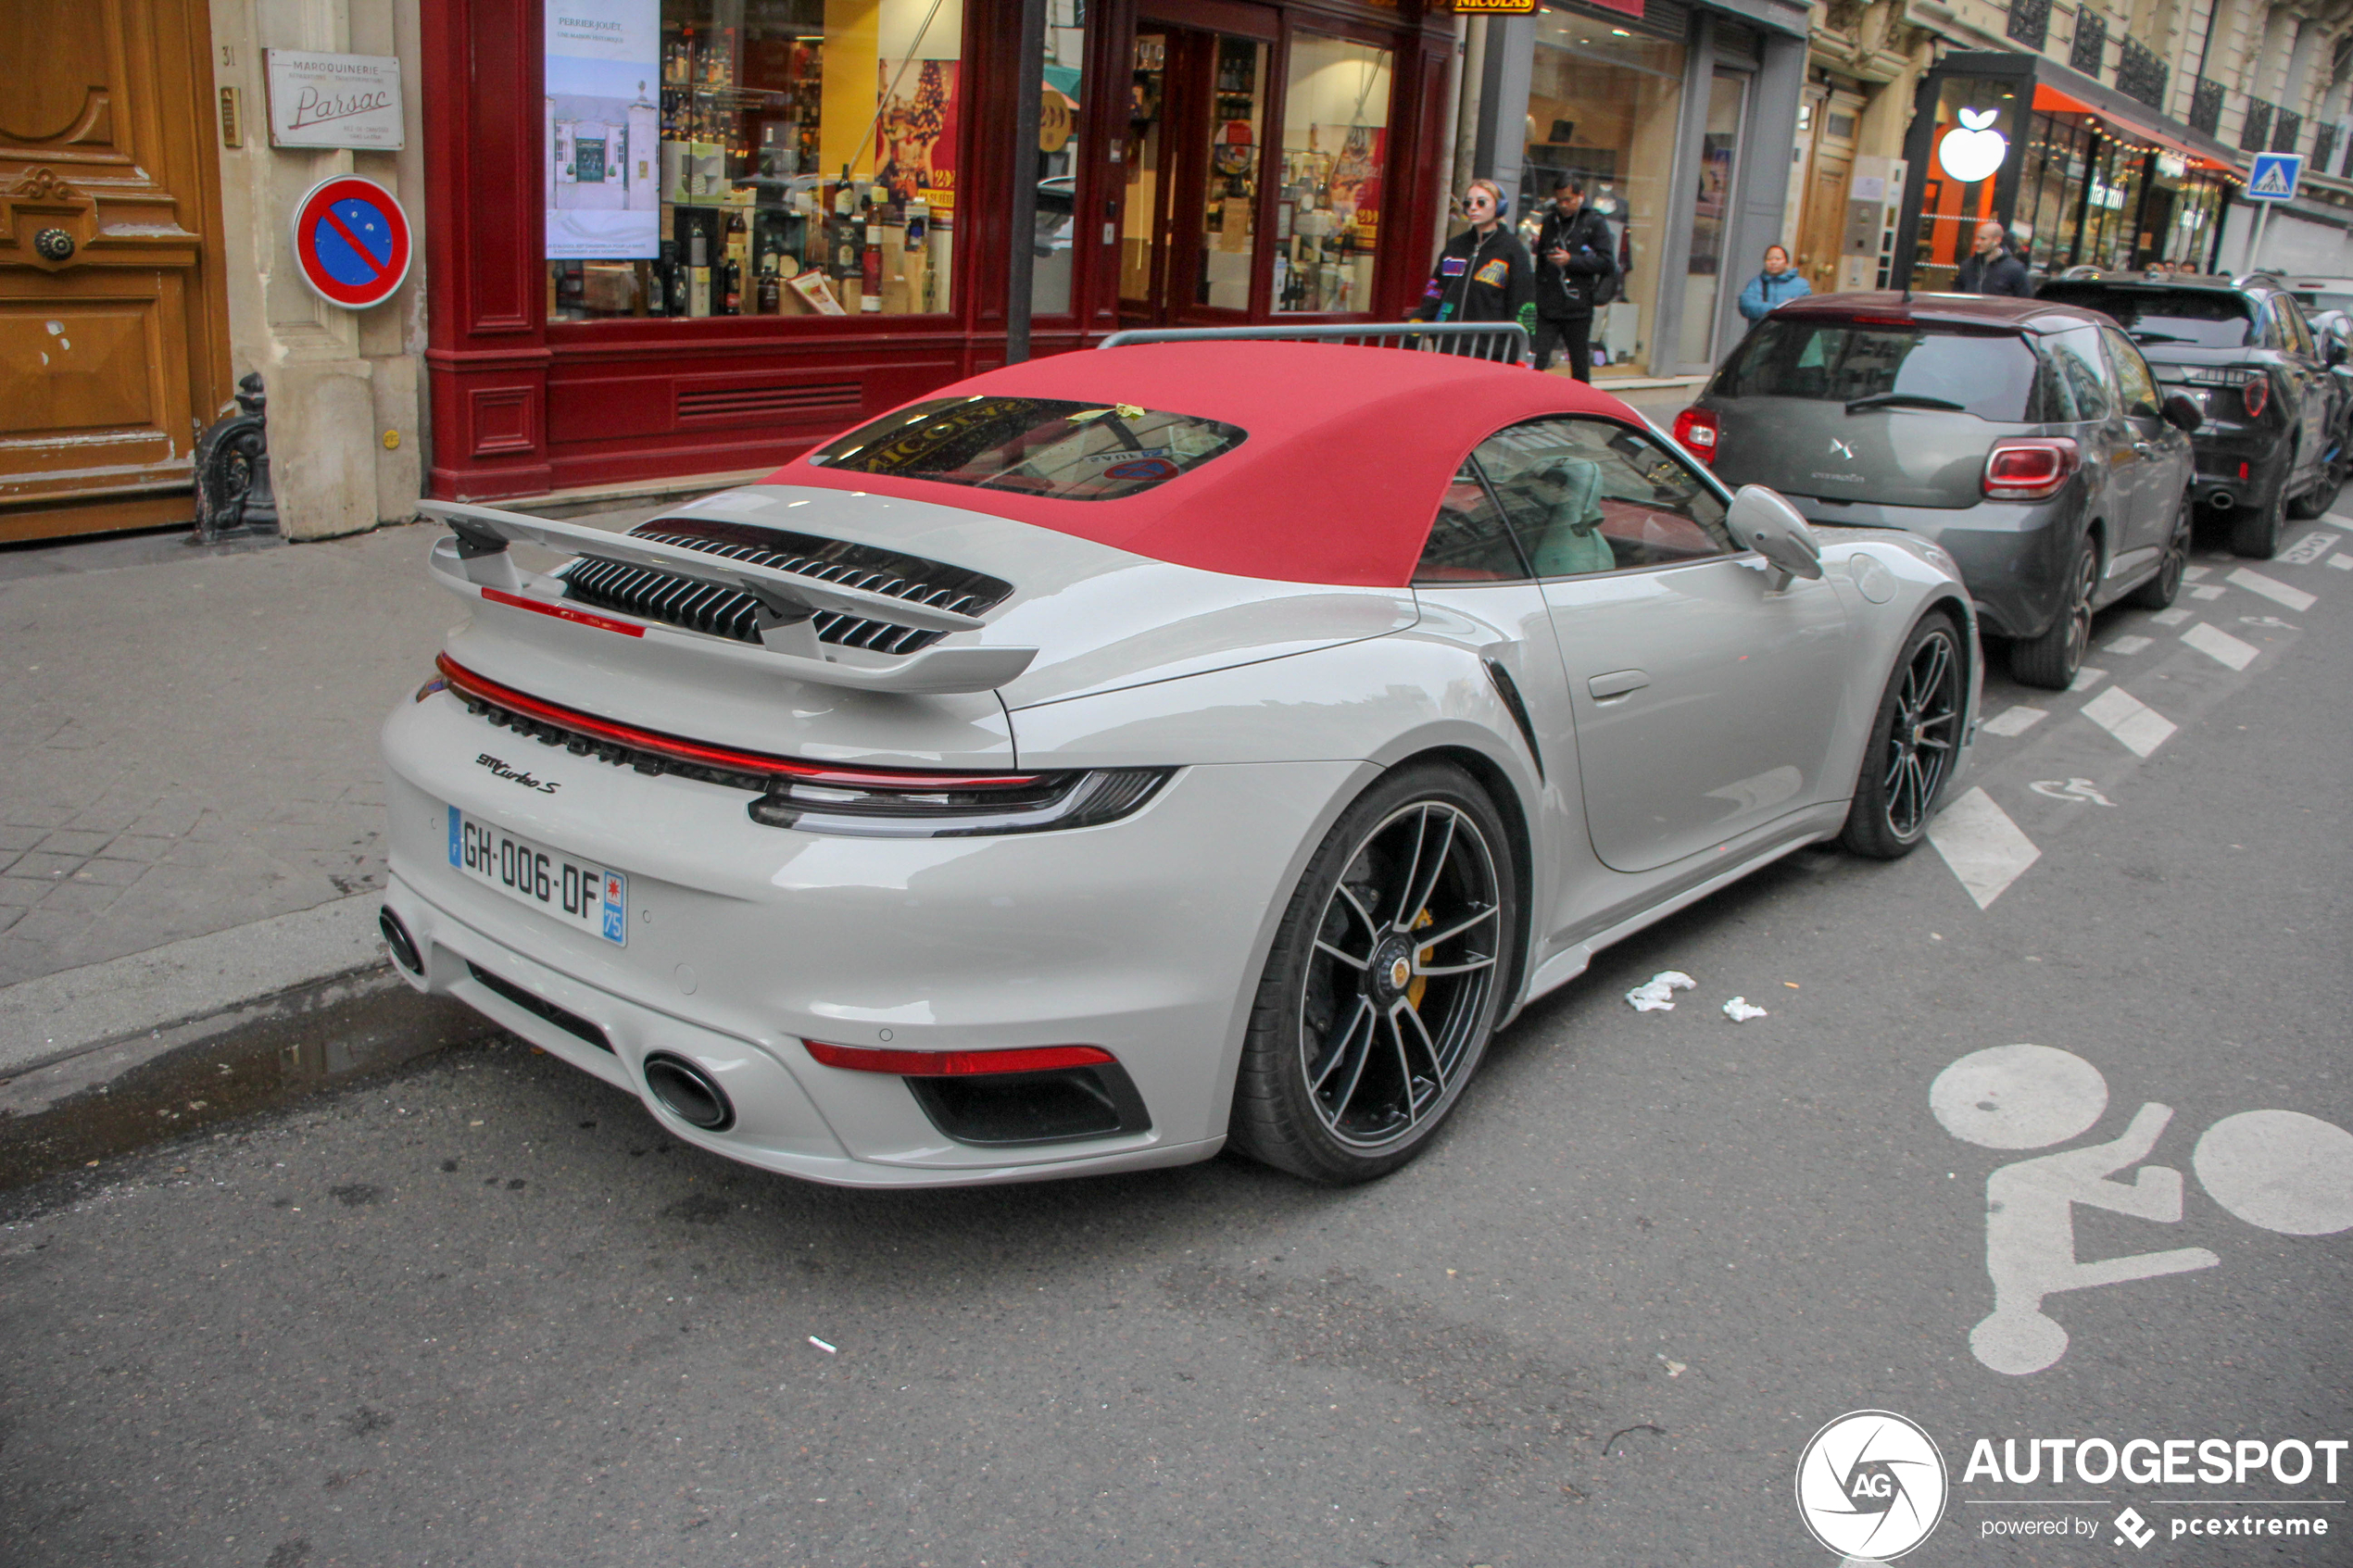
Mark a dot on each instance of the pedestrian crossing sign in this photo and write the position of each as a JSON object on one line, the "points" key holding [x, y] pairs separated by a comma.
{"points": [[2275, 177]]}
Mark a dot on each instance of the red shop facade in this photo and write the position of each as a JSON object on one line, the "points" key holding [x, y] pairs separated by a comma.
{"points": [[682, 237]]}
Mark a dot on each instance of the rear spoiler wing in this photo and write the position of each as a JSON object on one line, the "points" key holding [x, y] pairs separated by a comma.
{"points": [[475, 555]]}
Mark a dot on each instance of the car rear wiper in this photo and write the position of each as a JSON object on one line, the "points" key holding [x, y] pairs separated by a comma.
{"points": [[1904, 400]]}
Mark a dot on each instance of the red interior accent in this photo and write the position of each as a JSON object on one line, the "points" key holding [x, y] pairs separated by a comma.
{"points": [[1350, 451], [465, 681], [562, 612], [957, 1064]]}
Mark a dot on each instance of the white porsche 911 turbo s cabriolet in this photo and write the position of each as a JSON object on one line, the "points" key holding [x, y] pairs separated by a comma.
{"points": [[1126, 754]]}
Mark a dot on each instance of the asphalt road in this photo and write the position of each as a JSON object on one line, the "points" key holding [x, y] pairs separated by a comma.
{"points": [[484, 1313]]}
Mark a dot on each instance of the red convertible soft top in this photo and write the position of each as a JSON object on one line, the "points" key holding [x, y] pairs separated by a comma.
{"points": [[1350, 452]]}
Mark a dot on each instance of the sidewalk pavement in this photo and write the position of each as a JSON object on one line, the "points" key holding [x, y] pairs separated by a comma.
{"points": [[191, 804]]}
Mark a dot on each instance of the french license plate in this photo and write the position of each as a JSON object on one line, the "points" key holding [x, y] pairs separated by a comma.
{"points": [[591, 898]]}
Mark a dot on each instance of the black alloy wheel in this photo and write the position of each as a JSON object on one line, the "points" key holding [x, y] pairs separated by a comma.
{"points": [[1915, 740], [2312, 503], [2051, 661], [2161, 590], [1384, 983]]}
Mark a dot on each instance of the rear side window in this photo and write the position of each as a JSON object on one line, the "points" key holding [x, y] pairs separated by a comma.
{"points": [[1989, 375], [1034, 445], [2205, 318], [1469, 541], [2075, 354]]}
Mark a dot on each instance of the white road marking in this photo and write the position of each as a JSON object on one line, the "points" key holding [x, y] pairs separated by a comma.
{"points": [[2255, 582], [2087, 678], [2130, 721], [1982, 845], [2015, 721], [2070, 789], [2126, 645], [2211, 590], [2219, 645], [2342, 563], [2031, 1096], [2173, 617], [2280, 1169], [2307, 551], [2192, 574]]}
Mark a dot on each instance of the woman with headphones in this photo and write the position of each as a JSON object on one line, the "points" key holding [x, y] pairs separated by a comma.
{"points": [[1483, 273]]}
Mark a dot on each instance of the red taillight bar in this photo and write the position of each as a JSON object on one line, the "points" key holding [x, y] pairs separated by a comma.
{"points": [[466, 682], [958, 1064]]}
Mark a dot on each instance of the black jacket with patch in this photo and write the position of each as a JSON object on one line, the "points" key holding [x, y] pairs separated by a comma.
{"points": [[1481, 278]]}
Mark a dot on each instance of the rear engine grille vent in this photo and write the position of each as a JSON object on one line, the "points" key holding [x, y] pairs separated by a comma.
{"points": [[745, 403], [724, 613]]}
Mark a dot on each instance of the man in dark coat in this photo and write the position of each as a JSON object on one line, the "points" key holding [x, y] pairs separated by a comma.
{"points": [[1574, 258], [1992, 269], [1483, 273]]}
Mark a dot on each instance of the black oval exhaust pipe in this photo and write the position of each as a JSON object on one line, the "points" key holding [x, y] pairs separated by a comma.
{"points": [[689, 1093], [403, 946]]}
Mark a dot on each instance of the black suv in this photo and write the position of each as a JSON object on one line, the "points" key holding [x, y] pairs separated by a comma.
{"points": [[2242, 350]]}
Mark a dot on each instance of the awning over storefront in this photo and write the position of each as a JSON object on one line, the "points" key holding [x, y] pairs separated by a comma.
{"points": [[2053, 100]]}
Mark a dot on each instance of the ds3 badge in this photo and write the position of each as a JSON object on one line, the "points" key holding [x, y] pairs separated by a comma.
{"points": [[1871, 1484]]}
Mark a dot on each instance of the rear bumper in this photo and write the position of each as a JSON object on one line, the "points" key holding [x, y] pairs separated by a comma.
{"points": [[1143, 937], [2238, 465], [2012, 555]]}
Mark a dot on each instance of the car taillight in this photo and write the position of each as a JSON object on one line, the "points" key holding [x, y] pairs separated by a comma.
{"points": [[2029, 469], [957, 1064], [2256, 391], [1695, 430]]}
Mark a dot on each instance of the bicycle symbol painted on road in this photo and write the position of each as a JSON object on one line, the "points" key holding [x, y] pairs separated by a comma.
{"points": [[2280, 1170]]}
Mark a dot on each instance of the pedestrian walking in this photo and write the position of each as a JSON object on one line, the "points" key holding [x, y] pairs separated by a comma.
{"points": [[1576, 271], [1992, 268], [1776, 286], [1483, 273]]}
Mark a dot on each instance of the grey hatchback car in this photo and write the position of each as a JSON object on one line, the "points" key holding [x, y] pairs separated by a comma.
{"points": [[2029, 440]]}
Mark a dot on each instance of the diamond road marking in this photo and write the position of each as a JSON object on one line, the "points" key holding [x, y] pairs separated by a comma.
{"points": [[2130, 721], [1982, 845], [2173, 617], [2279, 593], [2307, 551], [2087, 678], [2212, 591], [2192, 574], [2219, 645], [2015, 721], [2126, 645], [2342, 563]]}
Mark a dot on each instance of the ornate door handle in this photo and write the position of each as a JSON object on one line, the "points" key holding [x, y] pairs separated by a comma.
{"points": [[53, 245]]}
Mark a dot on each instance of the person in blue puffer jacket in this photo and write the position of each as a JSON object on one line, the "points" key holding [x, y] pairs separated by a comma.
{"points": [[1774, 286]]}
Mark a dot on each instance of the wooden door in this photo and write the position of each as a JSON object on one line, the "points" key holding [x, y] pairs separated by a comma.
{"points": [[113, 322], [1817, 247]]}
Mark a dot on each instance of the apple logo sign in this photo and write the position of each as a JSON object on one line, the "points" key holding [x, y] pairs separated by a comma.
{"points": [[1974, 151]]}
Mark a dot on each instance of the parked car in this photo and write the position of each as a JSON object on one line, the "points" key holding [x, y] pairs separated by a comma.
{"points": [[2027, 438], [2241, 349], [1120, 754]]}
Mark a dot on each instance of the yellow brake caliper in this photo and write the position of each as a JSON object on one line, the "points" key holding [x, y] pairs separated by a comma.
{"points": [[1421, 981]]}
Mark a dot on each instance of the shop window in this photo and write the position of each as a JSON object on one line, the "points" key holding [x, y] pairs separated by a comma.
{"points": [[1229, 198], [1964, 161], [1335, 130], [752, 158], [1602, 108], [1719, 178], [1059, 151]]}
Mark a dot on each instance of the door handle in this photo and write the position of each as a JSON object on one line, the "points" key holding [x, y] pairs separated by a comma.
{"points": [[1616, 684]]}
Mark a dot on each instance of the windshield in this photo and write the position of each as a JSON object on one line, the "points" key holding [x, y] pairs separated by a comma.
{"points": [[1892, 364], [2201, 318], [1034, 446]]}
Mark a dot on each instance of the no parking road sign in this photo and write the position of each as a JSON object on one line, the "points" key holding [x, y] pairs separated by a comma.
{"points": [[2274, 177], [352, 241]]}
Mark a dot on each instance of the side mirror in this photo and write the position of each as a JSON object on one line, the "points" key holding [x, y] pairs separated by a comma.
{"points": [[2337, 352], [1762, 521], [2182, 414]]}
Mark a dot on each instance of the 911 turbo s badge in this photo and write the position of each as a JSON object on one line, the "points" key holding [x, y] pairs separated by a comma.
{"points": [[519, 775], [1841, 448]]}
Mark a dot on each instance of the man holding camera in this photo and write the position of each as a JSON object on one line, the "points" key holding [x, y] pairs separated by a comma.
{"points": [[1576, 270]]}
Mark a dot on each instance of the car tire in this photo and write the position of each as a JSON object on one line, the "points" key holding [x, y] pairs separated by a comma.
{"points": [[2315, 501], [2051, 661], [2254, 533], [1915, 741], [2160, 590], [1346, 1075]]}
